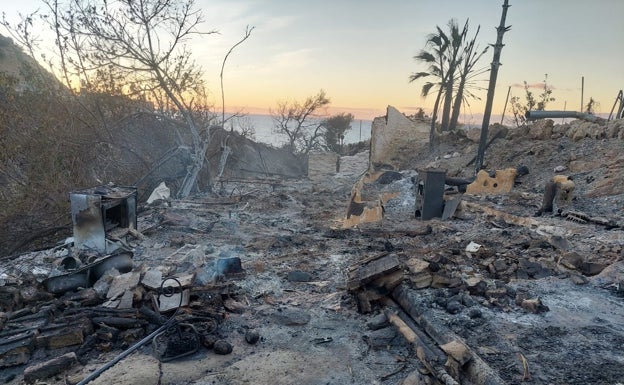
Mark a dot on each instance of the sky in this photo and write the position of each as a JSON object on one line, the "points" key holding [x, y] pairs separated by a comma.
{"points": [[361, 51]]}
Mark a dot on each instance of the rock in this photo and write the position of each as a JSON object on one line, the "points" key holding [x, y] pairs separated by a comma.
{"points": [[380, 339], [476, 286], [252, 337], [475, 313], [380, 321], [229, 266], [571, 260], [578, 279], [467, 300], [541, 129], [454, 307], [222, 347], [592, 268], [496, 293], [534, 305], [534, 269], [559, 242], [208, 340], [440, 281], [458, 351], [414, 378], [612, 275], [421, 280], [499, 265], [417, 265], [559, 169]]}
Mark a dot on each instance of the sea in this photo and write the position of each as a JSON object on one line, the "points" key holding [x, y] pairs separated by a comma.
{"points": [[264, 126]]}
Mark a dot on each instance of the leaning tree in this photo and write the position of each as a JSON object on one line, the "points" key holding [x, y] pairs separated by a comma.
{"points": [[137, 49]]}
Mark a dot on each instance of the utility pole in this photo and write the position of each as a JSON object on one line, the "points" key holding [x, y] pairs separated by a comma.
{"points": [[498, 47], [505, 108], [582, 92]]}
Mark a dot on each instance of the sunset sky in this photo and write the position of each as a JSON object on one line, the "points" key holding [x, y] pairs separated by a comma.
{"points": [[361, 51]]}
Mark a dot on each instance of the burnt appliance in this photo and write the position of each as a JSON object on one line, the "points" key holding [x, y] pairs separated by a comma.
{"points": [[100, 210], [430, 193]]}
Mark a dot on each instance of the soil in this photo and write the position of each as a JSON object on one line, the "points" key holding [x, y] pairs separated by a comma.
{"points": [[296, 258]]}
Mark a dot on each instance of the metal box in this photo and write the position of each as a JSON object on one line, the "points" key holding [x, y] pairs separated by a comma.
{"points": [[97, 211], [430, 193]]}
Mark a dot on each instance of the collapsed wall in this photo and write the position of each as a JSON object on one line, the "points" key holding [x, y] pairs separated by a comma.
{"points": [[394, 139]]}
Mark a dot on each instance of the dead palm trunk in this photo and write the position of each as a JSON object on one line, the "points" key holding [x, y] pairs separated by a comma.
{"points": [[448, 99], [457, 103]]}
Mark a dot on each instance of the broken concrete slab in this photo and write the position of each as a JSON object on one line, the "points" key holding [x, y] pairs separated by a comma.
{"points": [[122, 283], [502, 182], [171, 301], [152, 279]]}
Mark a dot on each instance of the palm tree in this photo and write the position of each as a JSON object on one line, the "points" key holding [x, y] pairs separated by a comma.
{"points": [[443, 55], [470, 57], [454, 60], [435, 59], [451, 58]]}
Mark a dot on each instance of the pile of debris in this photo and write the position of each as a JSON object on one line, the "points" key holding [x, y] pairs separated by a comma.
{"points": [[109, 305]]}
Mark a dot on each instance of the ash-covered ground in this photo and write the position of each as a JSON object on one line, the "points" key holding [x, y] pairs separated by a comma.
{"points": [[297, 257]]}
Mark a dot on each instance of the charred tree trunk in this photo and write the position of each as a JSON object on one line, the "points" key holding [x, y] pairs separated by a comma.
{"points": [[434, 117], [498, 47]]}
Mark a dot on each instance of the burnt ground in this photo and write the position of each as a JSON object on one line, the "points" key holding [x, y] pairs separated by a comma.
{"points": [[296, 260]]}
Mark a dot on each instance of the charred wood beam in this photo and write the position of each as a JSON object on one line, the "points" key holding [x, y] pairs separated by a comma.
{"points": [[371, 270], [49, 368], [103, 312], [120, 322], [152, 317], [477, 370], [430, 355], [16, 349]]}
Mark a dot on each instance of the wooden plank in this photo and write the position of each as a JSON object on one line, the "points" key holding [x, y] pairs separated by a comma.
{"points": [[425, 353], [477, 370], [49, 368], [373, 270]]}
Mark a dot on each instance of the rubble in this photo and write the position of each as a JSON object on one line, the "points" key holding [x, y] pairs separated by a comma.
{"points": [[266, 284]]}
